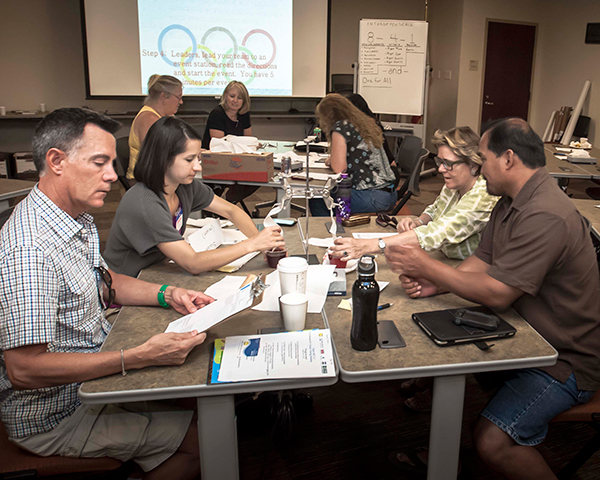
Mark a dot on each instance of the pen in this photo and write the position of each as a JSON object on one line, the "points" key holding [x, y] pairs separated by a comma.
{"points": [[384, 306]]}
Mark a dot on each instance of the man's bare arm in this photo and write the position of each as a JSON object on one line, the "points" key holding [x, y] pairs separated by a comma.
{"points": [[32, 366], [470, 280]]}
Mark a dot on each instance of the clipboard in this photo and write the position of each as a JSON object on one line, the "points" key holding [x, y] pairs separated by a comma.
{"points": [[247, 296]]}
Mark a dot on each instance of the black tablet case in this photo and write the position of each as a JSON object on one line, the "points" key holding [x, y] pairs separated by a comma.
{"points": [[440, 327]]}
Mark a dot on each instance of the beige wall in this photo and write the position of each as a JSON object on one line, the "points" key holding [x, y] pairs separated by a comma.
{"points": [[345, 17], [473, 48], [445, 21], [567, 62], [41, 58], [562, 62]]}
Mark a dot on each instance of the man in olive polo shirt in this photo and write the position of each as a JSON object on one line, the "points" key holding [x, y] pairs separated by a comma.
{"points": [[535, 255]]}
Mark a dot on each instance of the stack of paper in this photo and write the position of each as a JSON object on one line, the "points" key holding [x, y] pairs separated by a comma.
{"points": [[303, 354], [212, 236], [214, 313]]}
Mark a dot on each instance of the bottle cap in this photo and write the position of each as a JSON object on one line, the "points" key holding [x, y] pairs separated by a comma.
{"points": [[366, 265]]}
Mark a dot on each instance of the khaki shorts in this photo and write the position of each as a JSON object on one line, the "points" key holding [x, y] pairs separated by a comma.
{"points": [[145, 432]]}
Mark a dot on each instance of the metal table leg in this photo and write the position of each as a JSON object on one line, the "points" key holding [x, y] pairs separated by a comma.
{"points": [[217, 434], [446, 424]]}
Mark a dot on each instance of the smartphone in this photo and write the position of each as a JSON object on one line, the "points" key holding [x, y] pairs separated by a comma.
{"points": [[475, 319], [388, 335], [285, 222]]}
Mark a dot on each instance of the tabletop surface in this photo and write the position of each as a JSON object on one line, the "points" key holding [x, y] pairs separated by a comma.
{"points": [[420, 356], [557, 167], [135, 325], [589, 210], [10, 188]]}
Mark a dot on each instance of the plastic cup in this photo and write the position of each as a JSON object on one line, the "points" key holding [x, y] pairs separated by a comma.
{"points": [[337, 261], [293, 308], [273, 257], [292, 274]]}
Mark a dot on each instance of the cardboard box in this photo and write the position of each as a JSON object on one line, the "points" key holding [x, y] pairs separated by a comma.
{"points": [[250, 167]]}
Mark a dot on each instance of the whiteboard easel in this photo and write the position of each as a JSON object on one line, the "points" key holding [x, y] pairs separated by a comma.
{"points": [[393, 65]]}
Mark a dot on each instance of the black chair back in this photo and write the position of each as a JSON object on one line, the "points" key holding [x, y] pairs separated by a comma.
{"points": [[4, 215], [122, 163], [410, 186]]}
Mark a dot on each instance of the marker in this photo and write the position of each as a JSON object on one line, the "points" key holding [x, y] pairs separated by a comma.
{"points": [[384, 306]]}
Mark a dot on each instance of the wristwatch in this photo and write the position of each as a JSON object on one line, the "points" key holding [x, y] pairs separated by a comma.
{"points": [[382, 245]]}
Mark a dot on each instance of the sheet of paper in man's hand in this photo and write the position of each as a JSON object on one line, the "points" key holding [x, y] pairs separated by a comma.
{"points": [[214, 313]]}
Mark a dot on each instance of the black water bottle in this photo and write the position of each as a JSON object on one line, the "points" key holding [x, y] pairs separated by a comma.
{"points": [[365, 297]]}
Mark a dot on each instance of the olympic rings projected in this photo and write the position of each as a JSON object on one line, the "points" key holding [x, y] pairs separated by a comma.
{"points": [[176, 27], [226, 32], [223, 65], [248, 35], [211, 58]]}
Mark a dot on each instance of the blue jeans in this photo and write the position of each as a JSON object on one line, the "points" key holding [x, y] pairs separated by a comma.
{"points": [[362, 201], [528, 400]]}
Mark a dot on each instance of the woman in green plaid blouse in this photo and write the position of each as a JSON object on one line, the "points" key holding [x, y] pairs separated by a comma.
{"points": [[454, 222]]}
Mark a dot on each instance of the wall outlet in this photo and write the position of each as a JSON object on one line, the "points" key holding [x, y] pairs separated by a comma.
{"points": [[473, 65], [447, 74]]}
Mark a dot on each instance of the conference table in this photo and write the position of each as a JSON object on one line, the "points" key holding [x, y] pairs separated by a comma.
{"points": [[216, 414], [589, 209], [422, 358], [278, 146], [10, 188], [563, 169]]}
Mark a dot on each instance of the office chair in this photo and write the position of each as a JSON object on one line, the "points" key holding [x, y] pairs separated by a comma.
{"points": [[4, 215], [410, 159], [122, 163], [342, 82], [588, 413], [18, 463]]}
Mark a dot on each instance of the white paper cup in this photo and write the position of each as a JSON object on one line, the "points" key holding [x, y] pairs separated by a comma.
{"points": [[292, 274], [293, 308], [2, 111]]}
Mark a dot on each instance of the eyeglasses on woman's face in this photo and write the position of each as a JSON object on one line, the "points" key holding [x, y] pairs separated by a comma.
{"points": [[448, 164]]}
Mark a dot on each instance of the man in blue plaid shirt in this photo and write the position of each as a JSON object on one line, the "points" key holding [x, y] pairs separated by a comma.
{"points": [[53, 286]]}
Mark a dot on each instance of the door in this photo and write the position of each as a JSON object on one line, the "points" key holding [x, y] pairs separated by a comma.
{"points": [[508, 70]]}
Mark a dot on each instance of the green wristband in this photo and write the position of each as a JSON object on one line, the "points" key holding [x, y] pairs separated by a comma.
{"points": [[161, 296]]}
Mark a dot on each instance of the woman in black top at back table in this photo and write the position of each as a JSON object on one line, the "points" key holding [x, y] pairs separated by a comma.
{"points": [[231, 117]]}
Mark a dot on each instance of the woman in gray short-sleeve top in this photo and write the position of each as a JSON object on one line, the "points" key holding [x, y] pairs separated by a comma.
{"points": [[150, 220]]}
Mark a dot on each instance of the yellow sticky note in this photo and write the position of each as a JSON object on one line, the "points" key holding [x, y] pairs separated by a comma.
{"points": [[346, 304]]}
